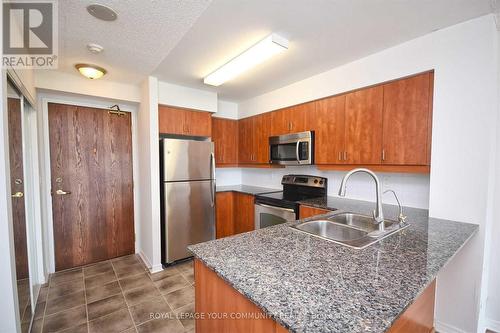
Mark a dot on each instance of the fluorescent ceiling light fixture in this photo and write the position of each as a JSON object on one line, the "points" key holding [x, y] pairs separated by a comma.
{"points": [[260, 52], [90, 71]]}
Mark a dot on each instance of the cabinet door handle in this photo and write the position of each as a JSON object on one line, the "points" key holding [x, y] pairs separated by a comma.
{"points": [[383, 154], [345, 156], [340, 156]]}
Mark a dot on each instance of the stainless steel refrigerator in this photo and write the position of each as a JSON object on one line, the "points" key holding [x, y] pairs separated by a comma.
{"points": [[187, 173]]}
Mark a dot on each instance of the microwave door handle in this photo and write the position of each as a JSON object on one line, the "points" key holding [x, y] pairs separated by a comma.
{"points": [[297, 146]]}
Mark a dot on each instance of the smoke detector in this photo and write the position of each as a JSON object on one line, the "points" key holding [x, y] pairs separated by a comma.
{"points": [[94, 48], [102, 12]]}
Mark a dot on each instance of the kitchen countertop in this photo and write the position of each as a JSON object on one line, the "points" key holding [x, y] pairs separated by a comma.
{"points": [[253, 190], [311, 285]]}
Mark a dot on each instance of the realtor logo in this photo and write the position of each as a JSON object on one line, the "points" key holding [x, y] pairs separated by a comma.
{"points": [[29, 34]]}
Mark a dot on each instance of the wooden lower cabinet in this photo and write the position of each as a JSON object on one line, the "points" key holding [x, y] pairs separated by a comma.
{"points": [[308, 211], [234, 213], [219, 308], [419, 317], [224, 214]]}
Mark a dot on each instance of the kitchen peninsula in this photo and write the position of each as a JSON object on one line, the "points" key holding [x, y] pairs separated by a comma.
{"points": [[307, 284]]}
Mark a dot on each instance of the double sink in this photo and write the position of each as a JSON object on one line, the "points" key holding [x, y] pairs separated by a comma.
{"points": [[350, 229]]}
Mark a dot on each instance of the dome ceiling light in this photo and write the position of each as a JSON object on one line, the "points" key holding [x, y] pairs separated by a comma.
{"points": [[92, 72]]}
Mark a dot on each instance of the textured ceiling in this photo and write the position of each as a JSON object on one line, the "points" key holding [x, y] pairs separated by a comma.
{"points": [[134, 44], [181, 41], [323, 34]]}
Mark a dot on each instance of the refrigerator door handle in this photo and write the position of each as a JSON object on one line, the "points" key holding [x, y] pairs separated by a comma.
{"points": [[212, 173]]}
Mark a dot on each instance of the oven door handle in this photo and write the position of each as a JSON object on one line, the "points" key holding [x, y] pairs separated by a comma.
{"points": [[275, 207]]}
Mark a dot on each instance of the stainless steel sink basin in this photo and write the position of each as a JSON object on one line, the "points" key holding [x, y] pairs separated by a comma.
{"points": [[350, 229]]}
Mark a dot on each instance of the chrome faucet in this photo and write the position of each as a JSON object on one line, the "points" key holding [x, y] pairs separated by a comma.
{"points": [[378, 215], [401, 216]]}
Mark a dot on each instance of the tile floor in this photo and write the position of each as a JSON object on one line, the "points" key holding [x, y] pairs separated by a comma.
{"points": [[118, 295]]}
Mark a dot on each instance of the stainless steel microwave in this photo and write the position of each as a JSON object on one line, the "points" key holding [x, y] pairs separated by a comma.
{"points": [[292, 149]]}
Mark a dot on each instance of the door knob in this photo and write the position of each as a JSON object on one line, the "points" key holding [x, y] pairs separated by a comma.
{"points": [[61, 192], [18, 195]]}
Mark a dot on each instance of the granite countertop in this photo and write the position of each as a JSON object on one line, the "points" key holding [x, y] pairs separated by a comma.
{"points": [[253, 190], [311, 285]]}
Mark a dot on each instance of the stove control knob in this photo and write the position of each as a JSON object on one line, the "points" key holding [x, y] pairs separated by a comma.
{"points": [[315, 181], [321, 182]]}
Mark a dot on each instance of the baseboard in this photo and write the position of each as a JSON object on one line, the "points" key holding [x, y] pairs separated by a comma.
{"points": [[152, 269], [493, 325], [446, 328]]}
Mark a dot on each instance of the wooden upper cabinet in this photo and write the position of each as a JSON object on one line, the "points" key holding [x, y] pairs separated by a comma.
{"points": [[262, 131], [225, 136], [292, 119], [406, 126], [199, 123], [363, 126], [328, 123], [300, 117], [280, 122], [254, 139], [174, 120], [171, 120], [245, 140]]}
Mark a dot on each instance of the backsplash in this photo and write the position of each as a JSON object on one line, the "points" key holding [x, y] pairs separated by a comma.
{"points": [[412, 189]]}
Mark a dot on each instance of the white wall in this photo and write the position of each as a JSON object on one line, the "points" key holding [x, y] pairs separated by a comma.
{"points": [[175, 95], [226, 109], [412, 189], [77, 84], [492, 295], [465, 107], [149, 176]]}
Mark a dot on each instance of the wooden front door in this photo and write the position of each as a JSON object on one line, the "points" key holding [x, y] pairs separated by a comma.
{"points": [[92, 190]]}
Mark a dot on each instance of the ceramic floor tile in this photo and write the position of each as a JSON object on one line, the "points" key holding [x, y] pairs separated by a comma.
{"points": [[185, 315], [189, 276], [42, 295], [36, 327], [135, 281], [97, 293], [161, 326], [65, 276], [181, 297], [65, 288], [105, 306], [65, 319], [65, 302], [171, 283], [166, 272], [185, 266], [115, 322], [39, 310], [153, 308], [99, 268], [82, 328], [99, 280], [140, 295], [129, 270]]}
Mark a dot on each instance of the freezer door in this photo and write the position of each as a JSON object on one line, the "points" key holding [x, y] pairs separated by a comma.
{"points": [[189, 217], [186, 160]]}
